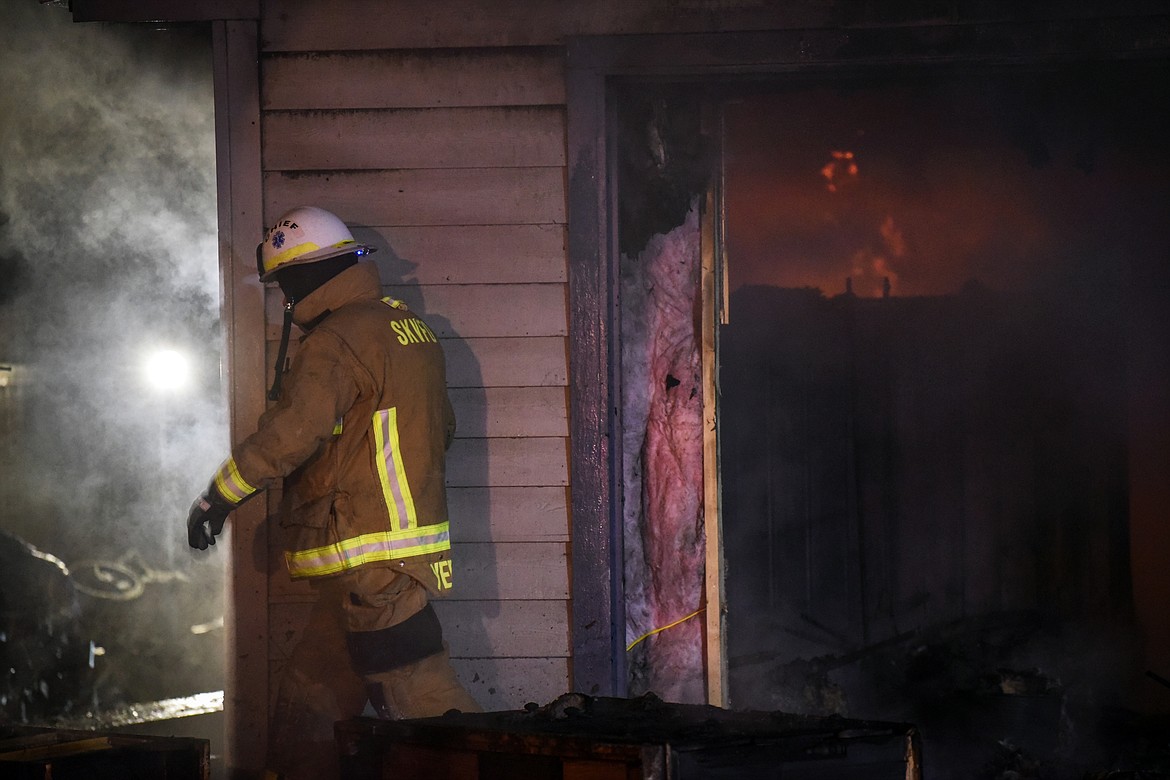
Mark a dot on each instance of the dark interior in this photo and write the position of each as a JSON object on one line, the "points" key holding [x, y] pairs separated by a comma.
{"points": [[947, 301]]}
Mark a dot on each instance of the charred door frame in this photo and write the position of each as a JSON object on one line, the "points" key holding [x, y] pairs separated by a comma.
{"points": [[593, 63]]}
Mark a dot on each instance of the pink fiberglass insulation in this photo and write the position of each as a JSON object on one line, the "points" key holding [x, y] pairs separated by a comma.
{"points": [[662, 405]]}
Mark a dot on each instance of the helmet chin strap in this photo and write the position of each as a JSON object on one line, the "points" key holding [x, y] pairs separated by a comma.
{"points": [[282, 353]]}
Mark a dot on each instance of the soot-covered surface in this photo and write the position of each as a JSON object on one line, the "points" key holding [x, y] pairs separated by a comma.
{"points": [[649, 736]]}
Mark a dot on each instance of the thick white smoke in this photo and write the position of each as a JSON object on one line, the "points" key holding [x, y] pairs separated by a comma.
{"points": [[108, 251]]}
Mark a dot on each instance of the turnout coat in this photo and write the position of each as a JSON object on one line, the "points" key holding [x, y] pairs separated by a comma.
{"points": [[360, 432]]}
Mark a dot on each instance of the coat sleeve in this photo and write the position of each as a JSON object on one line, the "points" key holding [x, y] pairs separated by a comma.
{"points": [[321, 386]]}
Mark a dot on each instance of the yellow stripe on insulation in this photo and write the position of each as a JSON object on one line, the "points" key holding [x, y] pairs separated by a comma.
{"points": [[649, 634]]}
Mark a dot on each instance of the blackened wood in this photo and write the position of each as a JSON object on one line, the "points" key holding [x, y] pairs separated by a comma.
{"points": [[597, 622]]}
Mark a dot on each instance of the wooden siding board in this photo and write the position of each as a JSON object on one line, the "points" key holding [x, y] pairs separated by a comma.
{"points": [[508, 462], [447, 196], [513, 571], [481, 310], [510, 412], [468, 254], [505, 629], [292, 25], [509, 514], [495, 362], [500, 684], [414, 138], [414, 79]]}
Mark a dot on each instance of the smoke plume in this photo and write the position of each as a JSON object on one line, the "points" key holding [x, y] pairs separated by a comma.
{"points": [[107, 251]]}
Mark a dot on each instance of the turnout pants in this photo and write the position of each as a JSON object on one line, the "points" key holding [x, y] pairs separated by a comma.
{"points": [[372, 637]]}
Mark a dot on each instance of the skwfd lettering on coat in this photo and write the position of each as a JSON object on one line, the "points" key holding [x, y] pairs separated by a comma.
{"points": [[413, 331]]}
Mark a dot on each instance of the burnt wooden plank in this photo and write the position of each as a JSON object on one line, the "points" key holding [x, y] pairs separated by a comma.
{"points": [[387, 78], [414, 138], [446, 196], [510, 411], [468, 254], [508, 462], [598, 601], [57, 749]]}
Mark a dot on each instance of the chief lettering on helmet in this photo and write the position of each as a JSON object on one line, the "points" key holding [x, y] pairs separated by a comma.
{"points": [[305, 234]]}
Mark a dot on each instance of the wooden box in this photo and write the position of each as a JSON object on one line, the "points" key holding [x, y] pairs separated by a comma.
{"points": [[582, 738], [58, 754]]}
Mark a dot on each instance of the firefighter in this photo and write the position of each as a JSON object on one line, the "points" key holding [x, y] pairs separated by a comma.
{"points": [[359, 432]]}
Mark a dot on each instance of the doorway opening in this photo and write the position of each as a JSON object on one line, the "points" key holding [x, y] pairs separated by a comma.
{"points": [[943, 293]]}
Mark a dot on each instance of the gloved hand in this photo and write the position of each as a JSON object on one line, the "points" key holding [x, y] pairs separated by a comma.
{"points": [[206, 519]]}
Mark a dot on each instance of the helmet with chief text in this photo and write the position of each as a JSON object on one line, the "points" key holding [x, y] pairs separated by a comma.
{"points": [[305, 234]]}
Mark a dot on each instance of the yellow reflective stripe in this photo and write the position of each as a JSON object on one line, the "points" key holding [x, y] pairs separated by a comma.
{"points": [[392, 471], [297, 251], [338, 427], [289, 254], [394, 303], [367, 548], [230, 484]]}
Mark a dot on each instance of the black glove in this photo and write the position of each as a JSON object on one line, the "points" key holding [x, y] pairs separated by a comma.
{"points": [[206, 519]]}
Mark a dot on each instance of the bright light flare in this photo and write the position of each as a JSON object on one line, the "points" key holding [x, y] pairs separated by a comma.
{"points": [[167, 369]]}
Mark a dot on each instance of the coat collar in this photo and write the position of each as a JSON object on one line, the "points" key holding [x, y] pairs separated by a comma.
{"points": [[358, 282]]}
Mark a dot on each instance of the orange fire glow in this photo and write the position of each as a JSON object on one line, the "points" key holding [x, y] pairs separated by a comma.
{"points": [[841, 166]]}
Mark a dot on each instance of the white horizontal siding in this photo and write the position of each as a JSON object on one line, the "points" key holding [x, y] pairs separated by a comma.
{"points": [[451, 163], [414, 138], [387, 78], [445, 196]]}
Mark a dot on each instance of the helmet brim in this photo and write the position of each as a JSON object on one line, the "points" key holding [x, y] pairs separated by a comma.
{"points": [[320, 254]]}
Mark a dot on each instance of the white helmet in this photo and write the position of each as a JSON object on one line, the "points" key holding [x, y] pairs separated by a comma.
{"points": [[305, 234]]}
